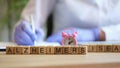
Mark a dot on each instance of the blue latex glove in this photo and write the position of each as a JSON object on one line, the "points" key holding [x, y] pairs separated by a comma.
{"points": [[82, 35], [23, 34]]}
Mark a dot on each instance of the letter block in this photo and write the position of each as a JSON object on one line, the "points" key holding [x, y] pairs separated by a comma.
{"points": [[10, 50], [50, 50], [92, 48], [42, 50], [25, 50], [34, 50], [18, 49]]}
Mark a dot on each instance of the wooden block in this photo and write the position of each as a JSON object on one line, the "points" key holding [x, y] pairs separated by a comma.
{"points": [[82, 50], [10, 50], [100, 48], [25, 50], [107, 48], [116, 48], [58, 50], [42, 50], [49, 50], [18, 50], [34, 50], [66, 50], [92, 48], [74, 50]]}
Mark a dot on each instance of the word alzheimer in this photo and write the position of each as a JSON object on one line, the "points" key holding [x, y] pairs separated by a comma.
{"points": [[44, 50]]}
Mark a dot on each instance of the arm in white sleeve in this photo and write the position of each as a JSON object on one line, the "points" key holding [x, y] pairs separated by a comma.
{"points": [[112, 32], [86, 10], [40, 9]]}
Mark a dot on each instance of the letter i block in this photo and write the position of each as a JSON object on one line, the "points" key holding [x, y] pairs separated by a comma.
{"points": [[50, 50], [92, 48], [10, 50]]}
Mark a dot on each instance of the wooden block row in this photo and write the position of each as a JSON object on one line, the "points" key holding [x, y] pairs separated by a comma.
{"points": [[43, 50], [104, 48], [70, 50], [17, 50]]}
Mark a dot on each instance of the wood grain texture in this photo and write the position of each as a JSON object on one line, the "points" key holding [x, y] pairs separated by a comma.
{"points": [[91, 60]]}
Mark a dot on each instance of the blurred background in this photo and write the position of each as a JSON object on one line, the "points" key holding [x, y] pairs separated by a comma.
{"points": [[10, 11]]}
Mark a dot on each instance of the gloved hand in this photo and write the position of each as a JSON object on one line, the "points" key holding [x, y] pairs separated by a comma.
{"points": [[82, 35], [23, 34]]}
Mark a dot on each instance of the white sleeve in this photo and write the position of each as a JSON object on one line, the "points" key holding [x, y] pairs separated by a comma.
{"points": [[86, 10], [112, 32], [39, 9]]}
